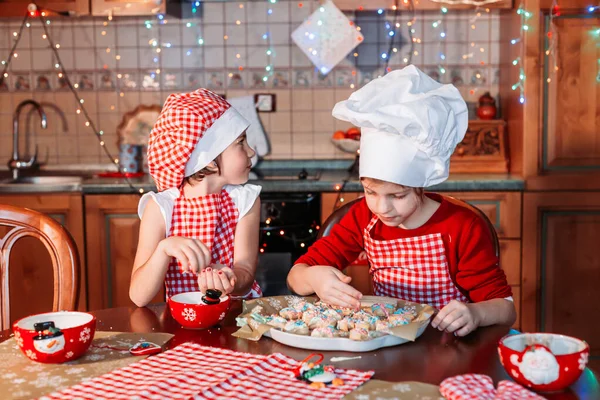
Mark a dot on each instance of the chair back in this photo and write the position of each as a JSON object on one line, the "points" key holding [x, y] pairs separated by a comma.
{"points": [[22, 222], [483, 216]]}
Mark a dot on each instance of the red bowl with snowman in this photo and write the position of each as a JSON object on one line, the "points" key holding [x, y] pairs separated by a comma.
{"points": [[544, 362], [55, 337], [196, 310]]}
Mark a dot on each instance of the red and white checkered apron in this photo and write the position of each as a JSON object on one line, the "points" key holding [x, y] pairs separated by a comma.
{"points": [[413, 269], [211, 219]]}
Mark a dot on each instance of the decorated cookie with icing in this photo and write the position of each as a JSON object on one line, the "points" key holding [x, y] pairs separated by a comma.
{"points": [[298, 327], [290, 313]]}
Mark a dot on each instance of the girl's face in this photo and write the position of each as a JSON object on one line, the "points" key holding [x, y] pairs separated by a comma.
{"points": [[236, 161], [393, 204]]}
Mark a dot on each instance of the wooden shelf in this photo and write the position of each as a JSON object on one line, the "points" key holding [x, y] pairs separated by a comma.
{"points": [[483, 150]]}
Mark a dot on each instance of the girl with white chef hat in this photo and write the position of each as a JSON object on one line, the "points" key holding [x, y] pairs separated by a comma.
{"points": [[420, 246]]}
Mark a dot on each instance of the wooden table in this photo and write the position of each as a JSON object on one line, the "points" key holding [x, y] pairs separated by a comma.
{"points": [[431, 358]]}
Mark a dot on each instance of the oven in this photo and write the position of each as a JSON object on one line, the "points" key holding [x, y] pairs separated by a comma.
{"points": [[289, 224]]}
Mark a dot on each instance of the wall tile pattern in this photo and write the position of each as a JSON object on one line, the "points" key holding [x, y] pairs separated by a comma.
{"points": [[125, 62]]}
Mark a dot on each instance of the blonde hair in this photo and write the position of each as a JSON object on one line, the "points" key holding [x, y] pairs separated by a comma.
{"points": [[419, 191]]}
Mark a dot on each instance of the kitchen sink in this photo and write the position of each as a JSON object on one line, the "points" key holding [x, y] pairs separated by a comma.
{"points": [[41, 184]]}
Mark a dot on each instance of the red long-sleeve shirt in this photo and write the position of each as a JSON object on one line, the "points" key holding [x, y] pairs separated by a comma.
{"points": [[472, 262]]}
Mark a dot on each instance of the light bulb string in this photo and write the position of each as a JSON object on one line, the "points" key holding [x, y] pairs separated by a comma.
{"points": [[81, 106], [397, 14], [12, 51], [413, 19], [551, 35]]}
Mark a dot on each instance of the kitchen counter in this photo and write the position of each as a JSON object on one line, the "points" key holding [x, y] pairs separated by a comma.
{"points": [[329, 181], [273, 176]]}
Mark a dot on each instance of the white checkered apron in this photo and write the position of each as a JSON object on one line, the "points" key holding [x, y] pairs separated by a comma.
{"points": [[413, 269], [211, 219]]}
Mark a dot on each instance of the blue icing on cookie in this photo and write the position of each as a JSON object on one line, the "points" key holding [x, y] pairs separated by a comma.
{"points": [[259, 318]]}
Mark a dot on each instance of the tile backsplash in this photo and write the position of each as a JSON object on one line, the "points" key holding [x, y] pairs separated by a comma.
{"points": [[120, 63]]}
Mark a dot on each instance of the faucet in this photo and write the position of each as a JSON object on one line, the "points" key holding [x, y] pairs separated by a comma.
{"points": [[16, 164]]}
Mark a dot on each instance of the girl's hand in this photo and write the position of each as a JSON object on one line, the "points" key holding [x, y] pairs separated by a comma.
{"points": [[332, 286], [217, 277], [458, 318], [193, 255]]}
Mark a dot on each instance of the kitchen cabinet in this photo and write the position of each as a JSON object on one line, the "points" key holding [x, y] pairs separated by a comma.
{"points": [[112, 227], [554, 137], [18, 8], [31, 277], [350, 5], [561, 267], [128, 8], [502, 208]]}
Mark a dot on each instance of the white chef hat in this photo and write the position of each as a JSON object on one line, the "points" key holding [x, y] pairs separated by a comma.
{"points": [[410, 126]]}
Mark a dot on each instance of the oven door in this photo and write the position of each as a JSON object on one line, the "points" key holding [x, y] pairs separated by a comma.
{"points": [[289, 225]]}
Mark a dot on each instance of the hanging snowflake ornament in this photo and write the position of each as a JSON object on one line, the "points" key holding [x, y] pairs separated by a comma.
{"points": [[327, 36]]}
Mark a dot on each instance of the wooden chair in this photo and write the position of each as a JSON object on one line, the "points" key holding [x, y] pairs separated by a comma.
{"points": [[22, 222], [361, 280]]}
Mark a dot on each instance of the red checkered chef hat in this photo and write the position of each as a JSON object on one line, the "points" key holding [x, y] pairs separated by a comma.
{"points": [[191, 131]]}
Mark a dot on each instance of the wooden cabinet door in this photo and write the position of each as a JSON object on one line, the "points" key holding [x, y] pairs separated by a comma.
{"points": [[112, 230], [561, 265], [31, 279], [565, 155], [129, 7], [18, 8]]}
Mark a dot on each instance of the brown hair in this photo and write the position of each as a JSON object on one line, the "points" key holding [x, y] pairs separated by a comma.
{"points": [[204, 172], [419, 191]]}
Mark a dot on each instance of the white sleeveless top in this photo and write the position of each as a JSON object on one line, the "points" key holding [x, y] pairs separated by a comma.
{"points": [[243, 196]]}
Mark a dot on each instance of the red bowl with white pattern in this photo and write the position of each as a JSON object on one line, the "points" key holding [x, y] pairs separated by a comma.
{"points": [[55, 337], [191, 312], [544, 362]]}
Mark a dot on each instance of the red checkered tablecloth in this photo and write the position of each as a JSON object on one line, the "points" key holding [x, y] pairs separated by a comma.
{"points": [[273, 379], [208, 373], [178, 373], [481, 387]]}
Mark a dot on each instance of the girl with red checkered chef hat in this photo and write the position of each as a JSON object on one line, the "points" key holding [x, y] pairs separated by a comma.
{"points": [[420, 246], [200, 231]]}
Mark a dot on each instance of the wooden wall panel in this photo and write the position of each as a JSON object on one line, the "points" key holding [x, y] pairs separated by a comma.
{"points": [[112, 235], [561, 268], [571, 138]]}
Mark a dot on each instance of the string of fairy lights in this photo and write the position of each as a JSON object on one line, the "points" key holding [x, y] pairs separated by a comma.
{"points": [[62, 74], [393, 26], [552, 39], [518, 62], [596, 33], [551, 35]]}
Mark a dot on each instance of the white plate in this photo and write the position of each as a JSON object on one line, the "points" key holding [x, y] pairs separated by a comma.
{"points": [[337, 344]]}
